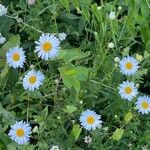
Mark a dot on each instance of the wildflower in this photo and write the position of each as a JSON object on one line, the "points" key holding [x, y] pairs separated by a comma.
{"points": [[111, 45], [3, 10], [88, 139], [90, 120], [47, 46], [105, 129], [99, 7], [35, 129], [15, 57], [116, 59], [116, 65], [78, 10], [143, 104], [58, 117], [145, 147], [139, 57], [56, 81], [128, 90], [33, 80], [32, 66], [55, 147], [2, 39], [129, 65], [137, 85], [119, 8], [81, 102], [112, 15], [62, 36], [31, 2], [95, 33], [20, 132]]}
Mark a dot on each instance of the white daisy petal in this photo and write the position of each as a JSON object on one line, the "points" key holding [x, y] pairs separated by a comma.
{"points": [[128, 90], [20, 132], [129, 65], [33, 80], [90, 120], [15, 57], [143, 104], [47, 46]]}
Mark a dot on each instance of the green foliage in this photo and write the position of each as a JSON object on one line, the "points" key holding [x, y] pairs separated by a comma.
{"points": [[83, 76]]}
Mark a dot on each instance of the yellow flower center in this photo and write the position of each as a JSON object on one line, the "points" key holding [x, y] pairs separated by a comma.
{"points": [[145, 105], [90, 120], [20, 132], [128, 90], [15, 56], [47, 46], [129, 65], [32, 79]]}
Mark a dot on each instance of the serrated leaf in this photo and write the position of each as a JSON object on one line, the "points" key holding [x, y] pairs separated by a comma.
{"points": [[117, 135], [128, 117], [70, 109], [76, 131]]}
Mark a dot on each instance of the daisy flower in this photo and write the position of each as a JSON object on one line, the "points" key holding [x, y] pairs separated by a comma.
{"points": [[47, 46], [90, 120], [16, 57], [55, 147], [128, 90], [33, 80], [20, 132], [62, 36], [3, 10], [128, 65], [143, 104]]}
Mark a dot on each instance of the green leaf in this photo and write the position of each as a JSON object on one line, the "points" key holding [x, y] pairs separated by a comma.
{"points": [[4, 71], [65, 3], [117, 135], [36, 95], [82, 73], [86, 13], [148, 46], [70, 109], [72, 54], [128, 117], [75, 3], [76, 131], [70, 72], [11, 146], [145, 9]]}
